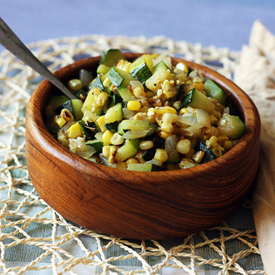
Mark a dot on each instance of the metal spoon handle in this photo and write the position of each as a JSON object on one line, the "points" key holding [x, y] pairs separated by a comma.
{"points": [[12, 43]]}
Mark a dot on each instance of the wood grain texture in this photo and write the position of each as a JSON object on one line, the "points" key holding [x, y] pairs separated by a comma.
{"points": [[141, 205]]}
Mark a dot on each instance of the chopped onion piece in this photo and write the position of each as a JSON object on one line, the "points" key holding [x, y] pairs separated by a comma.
{"points": [[106, 162], [165, 59], [171, 143], [135, 134], [155, 162], [98, 136], [135, 84], [127, 113], [203, 118], [85, 77]]}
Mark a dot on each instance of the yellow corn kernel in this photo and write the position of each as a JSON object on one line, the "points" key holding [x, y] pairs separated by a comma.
{"points": [[198, 156], [117, 139], [182, 66], [60, 121], [133, 105], [228, 144], [198, 85], [138, 92], [101, 123], [184, 146], [102, 99], [107, 136], [146, 144], [183, 111], [108, 150], [74, 131], [67, 115], [165, 109], [161, 155], [164, 135], [131, 160], [167, 127], [222, 138], [176, 105], [212, 142], [123, 65]]}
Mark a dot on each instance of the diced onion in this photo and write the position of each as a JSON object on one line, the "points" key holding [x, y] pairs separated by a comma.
{"points": [[85, 77], [165, 59], [203, 118], [135, 134], [171, 143], [155, 162], [106, 162], [127, 113]]}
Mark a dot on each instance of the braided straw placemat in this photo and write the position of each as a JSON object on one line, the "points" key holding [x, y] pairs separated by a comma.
{"points": [[34, 239]]}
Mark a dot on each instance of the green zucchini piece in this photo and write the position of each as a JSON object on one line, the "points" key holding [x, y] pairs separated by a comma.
{"points": [[128, 150], [137, 125], [144, 167], [112, 126], [161, 66], [88, 128], [67, 105], [208, 156], [231, 126], [96, 144], [214, 91], [140, 70], [114, 113], [125, 93], [159, 143], [119, 77], [77, 105], [81, 94], [57, 100], [111, 57], [160, 74], [113, 100], [102, 69], [196, 99], [97, 83]]}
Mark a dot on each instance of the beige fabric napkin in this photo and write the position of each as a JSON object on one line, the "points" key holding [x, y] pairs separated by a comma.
{"points": [[255, 74]]}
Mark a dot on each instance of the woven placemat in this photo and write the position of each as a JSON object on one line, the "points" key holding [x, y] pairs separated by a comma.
{"points": [[34, 239]]}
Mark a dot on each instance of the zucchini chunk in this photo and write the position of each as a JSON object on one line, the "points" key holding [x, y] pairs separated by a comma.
{"points": [[161, 73], [159, 143], [142, 68], [214, 91], [111, 57], [209, 155], [114, 114], [144, 167], [125, 93], [96, 144], [128, 150], [74, 106], [97, 83], [90, 102], [231, 126], [196, 99], [137, 125], [119, 77]]}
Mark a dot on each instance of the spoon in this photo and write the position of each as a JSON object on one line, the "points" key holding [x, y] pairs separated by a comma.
{"points": [[11, 42]]}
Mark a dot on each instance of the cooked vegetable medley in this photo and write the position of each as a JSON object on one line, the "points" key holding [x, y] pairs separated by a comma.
{"points": [[145, 115]]}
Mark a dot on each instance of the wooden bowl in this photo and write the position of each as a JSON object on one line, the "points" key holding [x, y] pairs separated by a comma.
{"points": [[140, 205]]}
